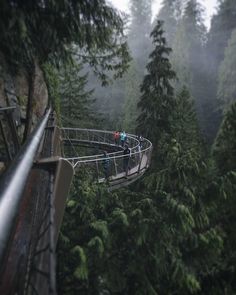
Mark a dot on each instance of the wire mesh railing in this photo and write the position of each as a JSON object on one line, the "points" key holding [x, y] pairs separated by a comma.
{"points": [[114, 165]]}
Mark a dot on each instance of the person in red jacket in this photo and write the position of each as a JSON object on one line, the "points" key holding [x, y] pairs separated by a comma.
{"points": [[116, 136]]}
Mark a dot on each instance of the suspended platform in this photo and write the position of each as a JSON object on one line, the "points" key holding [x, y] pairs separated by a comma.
{"points": [[100, 141]]}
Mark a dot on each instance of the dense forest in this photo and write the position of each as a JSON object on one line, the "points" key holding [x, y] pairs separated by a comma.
{"points": [[167, 78]]}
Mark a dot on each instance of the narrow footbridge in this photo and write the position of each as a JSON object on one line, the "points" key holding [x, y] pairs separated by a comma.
{"points": [[34, 185]]}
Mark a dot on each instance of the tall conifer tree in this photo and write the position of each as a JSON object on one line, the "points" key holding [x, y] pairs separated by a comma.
{"points": [[170, 13], [227, 74], [76, 102], [157, 98], [188, 55], [222, 25], [138, 38]]}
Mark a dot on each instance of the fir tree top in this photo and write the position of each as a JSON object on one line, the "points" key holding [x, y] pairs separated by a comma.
{"points": [[157, 92]]}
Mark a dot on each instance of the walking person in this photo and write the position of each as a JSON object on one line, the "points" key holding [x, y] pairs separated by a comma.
{"points": [[126, 159], [140, 139], [140, 146]]}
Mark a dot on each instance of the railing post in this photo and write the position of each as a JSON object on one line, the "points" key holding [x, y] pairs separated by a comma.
{"points": [[97, 170], [115, 165]]}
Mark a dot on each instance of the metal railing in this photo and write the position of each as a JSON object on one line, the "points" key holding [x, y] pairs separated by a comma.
{"points": [[27, 246], [120, 165], [13, 183]]}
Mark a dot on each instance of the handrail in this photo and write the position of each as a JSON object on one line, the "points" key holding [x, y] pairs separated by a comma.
{"points": [[94, 137], [13, 183], [99, 131], [113, 157], [132, 138]]}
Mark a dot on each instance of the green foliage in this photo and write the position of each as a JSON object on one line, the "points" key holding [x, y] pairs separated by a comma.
{"points": [[178, 184], [81, 271], [45, 31], [157, 92], [225, 144], [223, 189], [52, 81], [85, 237], [76, 102]]}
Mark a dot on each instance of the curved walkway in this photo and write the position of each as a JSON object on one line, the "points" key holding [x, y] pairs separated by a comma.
{"points": [[100, 141]]}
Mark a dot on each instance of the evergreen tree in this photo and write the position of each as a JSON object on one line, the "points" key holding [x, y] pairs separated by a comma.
{"points": [[84, 237], [140, 28], [115, 99], [222, 25], [176, 188], [188, 56], [225, 144], [180, 58], [223, 188], [157, 92], [132, 93], [179, 192], [227, 73], [45, 30], [76, 103], [170, 13]]}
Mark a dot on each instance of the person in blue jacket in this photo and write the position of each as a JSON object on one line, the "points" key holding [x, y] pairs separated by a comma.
{"points": [[123, 138]]}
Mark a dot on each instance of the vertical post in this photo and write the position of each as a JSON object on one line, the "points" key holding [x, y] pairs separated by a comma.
{"points": [[104, 137], [97, 170], [115, 165]]}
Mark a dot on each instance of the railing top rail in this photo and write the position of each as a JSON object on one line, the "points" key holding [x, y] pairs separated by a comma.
{"points": [[99, 131], [133, 141], [113, 157], [13, 183], [2, 109]]}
